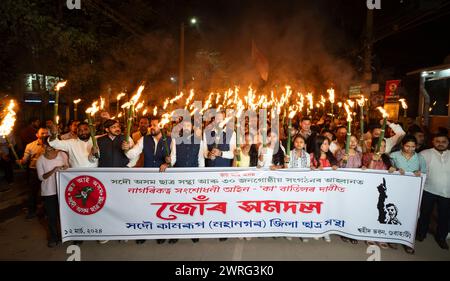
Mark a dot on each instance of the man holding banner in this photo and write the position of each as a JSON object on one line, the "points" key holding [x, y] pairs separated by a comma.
{"points": [[186, 152], [156, 152]]}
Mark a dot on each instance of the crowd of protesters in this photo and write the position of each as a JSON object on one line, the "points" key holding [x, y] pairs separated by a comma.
{"points": [[317, 144]]}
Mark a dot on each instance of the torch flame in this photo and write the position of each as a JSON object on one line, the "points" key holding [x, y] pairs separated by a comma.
{"points": [[240, 108], [330, 92], [339, 104], [351, 103], [292, 111], [310, 100], [9, 120], [93, 109], [144, 112], [136, 97], [126, 105], [165, 119], [404, 105], [349, 114], [119, 115], [119, 96], [176, 98], [139, 106], [217, 98], [188, 100], [155, 111], [385, 115], [102, 103], [76, 101], [60, 85]]}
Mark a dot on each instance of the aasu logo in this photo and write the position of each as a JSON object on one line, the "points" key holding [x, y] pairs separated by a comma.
{"points": [[85, 195]]}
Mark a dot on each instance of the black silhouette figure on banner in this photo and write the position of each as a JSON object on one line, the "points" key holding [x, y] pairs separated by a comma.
{"points": [[386, 214]]}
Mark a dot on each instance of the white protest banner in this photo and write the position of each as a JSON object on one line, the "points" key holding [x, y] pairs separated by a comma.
{"points": [[119, 203]]}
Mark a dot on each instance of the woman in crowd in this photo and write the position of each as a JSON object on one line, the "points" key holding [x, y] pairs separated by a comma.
{"points": [[354, 157], [322, 158], [407, 160], [47, 165]]}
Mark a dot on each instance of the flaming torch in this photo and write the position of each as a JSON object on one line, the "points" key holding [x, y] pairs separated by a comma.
{"points": [[102, 103], [383, 128], [291, 115], [349, 128], [361, 118], [119, 97], [339, 111], [165, 120], [90, 113], [7, 125], [404, 106], [311, 104], [331, 98], [130, 106], [238, 129], [75, 108], [57, 88]]}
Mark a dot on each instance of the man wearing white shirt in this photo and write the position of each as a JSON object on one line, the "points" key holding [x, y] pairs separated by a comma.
{"points": [[437, 190], [155, 148], [80, 150]]}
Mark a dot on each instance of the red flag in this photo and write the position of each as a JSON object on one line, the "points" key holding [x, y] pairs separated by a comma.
{"points": [[391, 89], [262, 64]]}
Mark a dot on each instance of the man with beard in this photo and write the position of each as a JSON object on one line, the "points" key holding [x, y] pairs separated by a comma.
{"points": [[110, 146], [437, 190], [32, 152], [110, 149], [144, 130], [80, 150], [219, 145], [186, 151], [155, 149]]}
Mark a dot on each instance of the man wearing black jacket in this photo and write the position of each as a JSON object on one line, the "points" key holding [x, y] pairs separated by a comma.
{"points": [[110, 146]]}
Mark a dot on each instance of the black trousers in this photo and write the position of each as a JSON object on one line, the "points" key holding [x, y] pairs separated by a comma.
{"points": [[443, 209], [34, 185], [51, 208]]}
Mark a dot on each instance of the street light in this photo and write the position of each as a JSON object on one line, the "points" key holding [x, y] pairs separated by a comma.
{"points": [[193, 21]]}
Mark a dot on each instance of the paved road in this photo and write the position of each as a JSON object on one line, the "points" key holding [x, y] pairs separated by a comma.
{"points": [[26, 240]]}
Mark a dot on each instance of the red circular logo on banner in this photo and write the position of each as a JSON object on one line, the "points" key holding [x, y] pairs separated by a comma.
{"points": [[85, 195]]}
